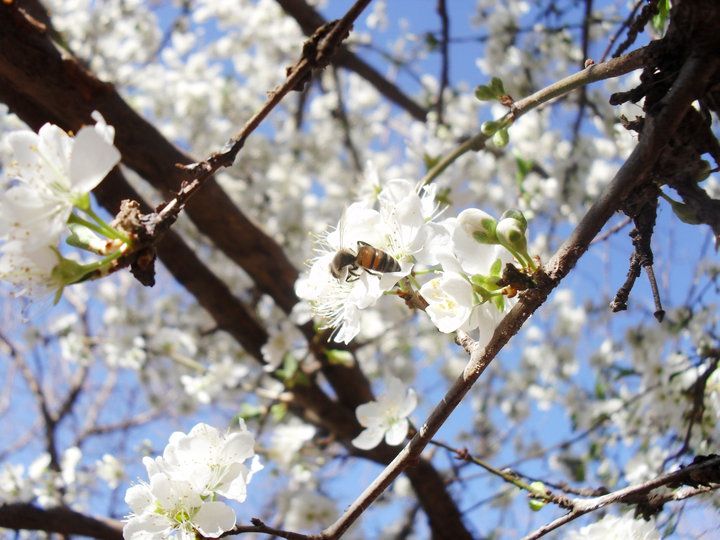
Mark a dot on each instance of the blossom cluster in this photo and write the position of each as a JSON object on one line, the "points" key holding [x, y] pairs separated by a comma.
{"points": [[195, 468], [50, 176], [466, 255], [616, 528]]}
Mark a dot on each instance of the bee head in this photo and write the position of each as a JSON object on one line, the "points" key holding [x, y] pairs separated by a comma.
{"points": [[342, 259]]}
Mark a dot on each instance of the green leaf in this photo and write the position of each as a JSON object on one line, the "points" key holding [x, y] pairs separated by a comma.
{"points": [[431, 41], [575, 467], [685, 213], [278, 411], [430, 161], [495, 90], [288, 369], [659, 20], [496, 268], [496, 85], [248, 411], [442, 197], [703, 171], [339, 357], [536, 504], [524, 166], [488, 283], [484, 93], [67, 271], [600, 389]]}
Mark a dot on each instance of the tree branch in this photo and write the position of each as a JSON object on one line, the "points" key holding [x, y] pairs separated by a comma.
{"points": [[444, 58], [310, 20], [59, 520], [596, 72], [630, 494]]}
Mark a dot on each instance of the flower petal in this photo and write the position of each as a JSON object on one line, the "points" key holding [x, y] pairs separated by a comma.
{"points": [[369, 438], [92, 159], [214, 518], [397, 432]]}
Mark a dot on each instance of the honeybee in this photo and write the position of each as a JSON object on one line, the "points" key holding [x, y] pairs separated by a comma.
{"points": [[372, 260]]}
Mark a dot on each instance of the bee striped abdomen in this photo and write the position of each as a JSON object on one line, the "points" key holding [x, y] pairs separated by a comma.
{"points": [[376, 260]]}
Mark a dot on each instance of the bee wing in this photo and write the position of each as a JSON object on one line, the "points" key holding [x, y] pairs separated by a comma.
{"points": [[341, 229]]}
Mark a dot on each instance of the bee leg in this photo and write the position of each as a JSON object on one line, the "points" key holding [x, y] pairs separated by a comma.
{"points": [[352, 275]]}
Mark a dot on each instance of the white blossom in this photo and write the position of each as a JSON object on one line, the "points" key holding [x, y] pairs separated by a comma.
{"points": [[110, 469], [210, 460], [287, 440], [223, 375], [194, 469], [30, 271], [616, 528], [450, 301], [386, 417], [55, 173], [167, 507], [308, 510], [14, 484], [285, 339]]}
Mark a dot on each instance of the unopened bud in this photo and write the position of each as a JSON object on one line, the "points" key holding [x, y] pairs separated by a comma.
{"points": [[537, 503], [501, 138], [516, 214], [511, 234], [478, 224]]}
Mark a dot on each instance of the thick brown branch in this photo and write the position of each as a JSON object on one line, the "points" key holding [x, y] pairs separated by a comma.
{"points": [[59, 520]]}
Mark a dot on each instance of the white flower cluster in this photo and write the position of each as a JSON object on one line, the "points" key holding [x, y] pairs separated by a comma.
{"points": [[51, 174], [373, 249], [194, 469], [616, 528]]}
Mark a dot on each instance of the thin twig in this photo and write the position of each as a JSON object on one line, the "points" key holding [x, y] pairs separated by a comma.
{"points": [[310, 20], [444, 58], [345, 123], [611, 231], [317, 53], [591, 74], [585, 506], [620, 30]]}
